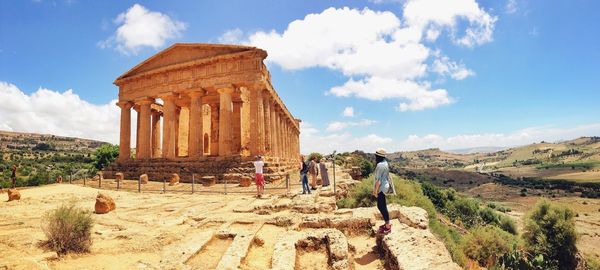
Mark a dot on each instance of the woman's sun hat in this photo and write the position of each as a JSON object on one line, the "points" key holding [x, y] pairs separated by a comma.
{"points": [[381, 152]]}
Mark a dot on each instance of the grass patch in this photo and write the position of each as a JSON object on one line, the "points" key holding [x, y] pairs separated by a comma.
{"points": [[68, 229]]}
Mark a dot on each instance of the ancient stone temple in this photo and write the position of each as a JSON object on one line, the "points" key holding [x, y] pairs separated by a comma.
{"points": [[206, 109]]}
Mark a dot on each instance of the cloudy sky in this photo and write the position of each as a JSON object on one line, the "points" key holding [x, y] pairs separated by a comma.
{"points": [[403, 74]]}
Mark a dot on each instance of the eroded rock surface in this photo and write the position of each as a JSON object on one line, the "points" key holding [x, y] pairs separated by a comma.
{"points": [[104, 204]]}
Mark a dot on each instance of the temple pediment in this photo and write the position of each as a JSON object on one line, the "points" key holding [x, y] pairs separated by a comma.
{"points": [[185, 52]]}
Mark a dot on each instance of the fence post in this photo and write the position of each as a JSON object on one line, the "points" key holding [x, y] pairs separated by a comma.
{"points": [[139, 185], [225, 178], [70, 178], [164, 185], [193, 181], [287, 182], [334, 191], [84, 180], [119, 183]]}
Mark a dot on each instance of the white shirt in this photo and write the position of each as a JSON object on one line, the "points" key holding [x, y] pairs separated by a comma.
{"points": [[258, 165]]}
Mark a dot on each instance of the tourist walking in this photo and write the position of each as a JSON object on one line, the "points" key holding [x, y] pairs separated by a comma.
{"points": [[313, 171], [382, 186], [260, 180], [303, 177], [13, 175], [324, 173]]}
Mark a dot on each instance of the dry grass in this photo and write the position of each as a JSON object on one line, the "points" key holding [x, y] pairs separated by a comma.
{"points": [[68, 229]]}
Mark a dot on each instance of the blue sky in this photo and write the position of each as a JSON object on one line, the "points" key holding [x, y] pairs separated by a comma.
{"points": [[416, 73]]}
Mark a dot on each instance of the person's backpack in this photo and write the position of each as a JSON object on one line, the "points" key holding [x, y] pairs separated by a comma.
{"points": [[391, 190]]}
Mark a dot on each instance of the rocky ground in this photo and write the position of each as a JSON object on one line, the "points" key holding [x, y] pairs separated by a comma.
{"points": [[283, 230]]}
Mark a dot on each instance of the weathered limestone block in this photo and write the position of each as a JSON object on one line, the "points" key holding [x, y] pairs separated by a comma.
{"points": [[236, 252], [208, 181], [13, 194], [284, 252], [245, 181], [174, 180], [144, 179], [119, 177], [104, 204], [59, 179], [412, 216], [410, 248], [355, 173]]}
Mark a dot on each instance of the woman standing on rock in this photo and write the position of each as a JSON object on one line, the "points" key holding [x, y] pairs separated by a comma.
{"points": [[324, 174], [381, 187]]}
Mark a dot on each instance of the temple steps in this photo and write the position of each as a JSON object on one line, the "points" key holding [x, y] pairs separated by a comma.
{"points": [[230, 169]]}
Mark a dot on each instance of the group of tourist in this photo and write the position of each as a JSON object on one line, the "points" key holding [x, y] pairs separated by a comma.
{"points": [[381, 186], [312, 167]]}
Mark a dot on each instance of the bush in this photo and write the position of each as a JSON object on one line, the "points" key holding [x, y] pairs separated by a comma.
{"points": [[104, 155], [487, 244], [550, 231], [68, 228], [317, 156]]}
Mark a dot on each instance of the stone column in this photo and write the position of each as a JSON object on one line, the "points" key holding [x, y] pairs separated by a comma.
{"points": [[214, 129], [257, 142], [169, 132], [225, 117], [125, 131], [145, 123], [245, 121], [177, 134], [156, 134], [279, 134], [267, 123], [236, 126], [195, 139], [273, 128], [137, 131]]}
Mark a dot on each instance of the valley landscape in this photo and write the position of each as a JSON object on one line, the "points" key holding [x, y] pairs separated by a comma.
{"points": [[299, 135]]}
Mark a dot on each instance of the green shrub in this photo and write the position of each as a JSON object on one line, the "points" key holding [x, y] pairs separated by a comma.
{"points": [[466, 211], [487, 244], [104, 155], [491, 217], [68, 228], [550, 231]]}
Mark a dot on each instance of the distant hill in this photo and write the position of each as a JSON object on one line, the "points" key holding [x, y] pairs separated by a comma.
{"points": [[474, 150], [577, 159], [18, 141], [40, 158]]}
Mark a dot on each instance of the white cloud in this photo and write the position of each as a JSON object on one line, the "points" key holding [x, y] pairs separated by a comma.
{"points": [[65, 114], [511, 6], [140, 28], [447, 14], [516, 138], [232, 36], [348, 112], [418, 96], [444, 66], [340, 125], [313, 141], [383, 56]]}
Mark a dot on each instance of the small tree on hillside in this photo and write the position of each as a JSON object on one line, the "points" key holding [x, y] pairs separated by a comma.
{"points": [[104, 155], [550, 231]]}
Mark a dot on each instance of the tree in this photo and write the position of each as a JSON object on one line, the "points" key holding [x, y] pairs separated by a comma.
{"points": [[550, 231], [104, 155]]}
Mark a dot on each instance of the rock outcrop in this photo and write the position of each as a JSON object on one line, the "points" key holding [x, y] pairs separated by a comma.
{"points": [[119, 177], [13, 194], [104, 204], [174, 180], [144, 179]]}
